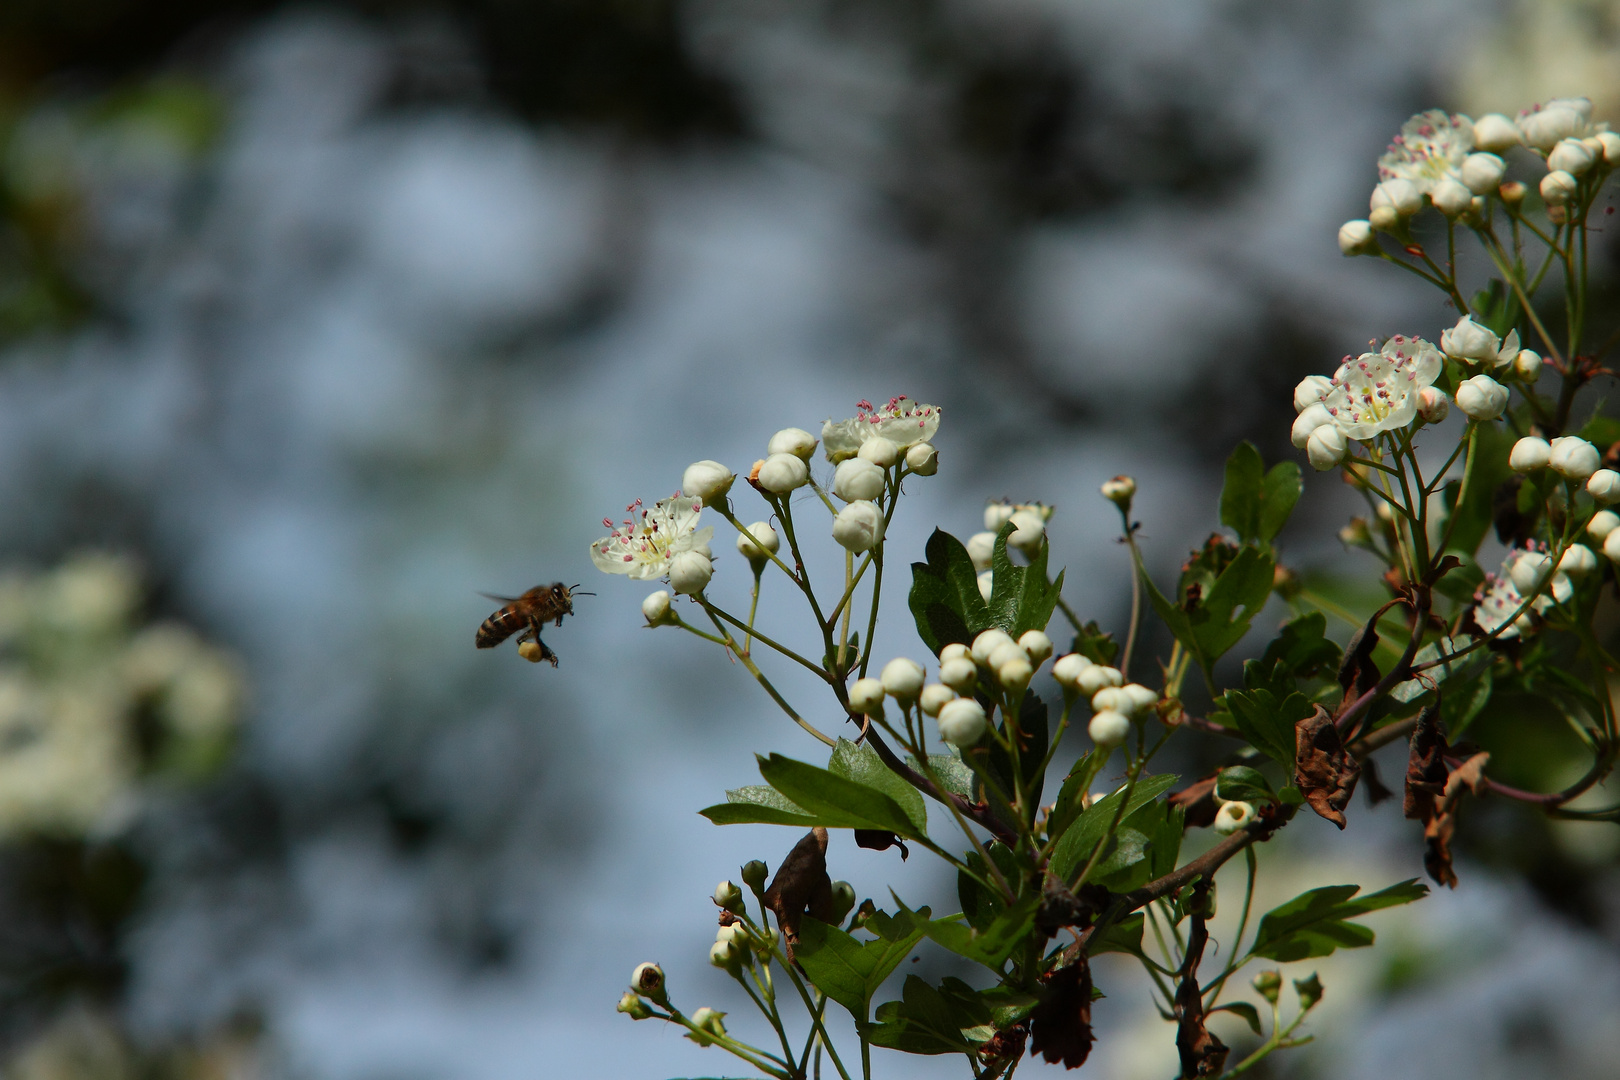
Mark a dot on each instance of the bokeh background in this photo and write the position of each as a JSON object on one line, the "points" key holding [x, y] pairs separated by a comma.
{"points": [[320, 318]]}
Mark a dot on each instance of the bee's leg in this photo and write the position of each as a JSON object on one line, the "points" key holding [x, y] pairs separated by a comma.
{"points": [[545, 651], [530, 634]]}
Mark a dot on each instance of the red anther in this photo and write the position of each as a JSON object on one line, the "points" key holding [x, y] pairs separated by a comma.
{"points": [[1414, 250]]}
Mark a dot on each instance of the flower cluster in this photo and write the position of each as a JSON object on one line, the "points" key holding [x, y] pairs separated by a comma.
{"points": [[1369, 394], [664, 540]]}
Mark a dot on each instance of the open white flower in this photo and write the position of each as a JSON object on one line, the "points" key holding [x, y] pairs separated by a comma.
{"points": [[1497, 600], [645, 548], [902, 421], [1381, 391], [1470, 341], [1430, 147]]}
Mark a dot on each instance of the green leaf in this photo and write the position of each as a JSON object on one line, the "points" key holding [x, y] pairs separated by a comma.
{"points": [[1075, 787], [835, 801], [1309, 990], [990, 946], [1095, 645], [1315, 923], [1226, 612], [1462, 705], [1279, 494], [1474, 516], [950, 1019], [861, 764], [1249, 1013], [1267, 723], [1243, 784], [1303, 648], [1081, 839], [1124, 936], [759, 805], [952, 771], [1032, 721], [1241, 493], [980, 906], [1166, 841], [944, 598], [850, 971]]}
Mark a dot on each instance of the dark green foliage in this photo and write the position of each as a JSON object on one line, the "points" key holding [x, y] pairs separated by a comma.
{"points": [[1315, 923]]}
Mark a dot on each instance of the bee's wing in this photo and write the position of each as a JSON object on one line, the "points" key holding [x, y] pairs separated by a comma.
{"points": [[499, 599]]}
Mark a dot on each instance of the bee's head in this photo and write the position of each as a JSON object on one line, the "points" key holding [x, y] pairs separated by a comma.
{"points": [[564, 596]]}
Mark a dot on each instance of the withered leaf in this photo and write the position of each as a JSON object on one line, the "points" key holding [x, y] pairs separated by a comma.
{"points": [[1060, 908], [1324, 771], [1060, 1026], [1201, 1052], [1441, 824], [880, 840], [1425, 766], [1357, 672], [801, 886], [1198, 800]]}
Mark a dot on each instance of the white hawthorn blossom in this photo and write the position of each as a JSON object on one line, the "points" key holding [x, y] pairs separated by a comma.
{"points": [[902, 421], [1430, 148], [645, 548], [1381, 391], [1544, 126], [1496, 601], [1470, 341]]}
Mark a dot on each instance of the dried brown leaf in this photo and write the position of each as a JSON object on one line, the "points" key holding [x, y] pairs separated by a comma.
{"points": [[801, 886], [1060, 1026], [1198, 800], [1324, 771], [1425, 766]]}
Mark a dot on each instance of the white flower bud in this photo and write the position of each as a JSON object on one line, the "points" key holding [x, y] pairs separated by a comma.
{"points": [[1610, 144], [1482, 398], [1068, 668], [782, 473], [1015, 674], [1310, 391], [1544, 126], [1309, 419], [858, 526], [933, 698], [903, 678], [1494, 133], [996, 515], [1139, 698], [960, 674], [1095, 677], [1604, 486], [1356, 237], [1119, 490], [1572, 156], [955, 650], [707, 480], [1433, 405], [724, 954], [1233, 816], [1574, 458], [689, 572], [1037, 645], [987, 643], [791, 440], [1602, 524], [980, 547], [1482, 173], [962, 722], [1577, 561], [648, 980], [1108, 728], [1558, 187], [1399, 195], [1529, 571], [866, 696], [1527, 365], [856, 478], [1326, 447], [1470, 341], [1003, 653], [759, 542], [987, 585], [1384, 219], [1451, 197], [1611, 545], [1529, 454], [728, 896], [923, 459], [1111, 697], [879, 451], [1028, 529], [632, 1005], [708, 1020], [655, 609]]}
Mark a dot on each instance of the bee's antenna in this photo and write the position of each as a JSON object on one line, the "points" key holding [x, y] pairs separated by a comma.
{"points": [[575, 591]]}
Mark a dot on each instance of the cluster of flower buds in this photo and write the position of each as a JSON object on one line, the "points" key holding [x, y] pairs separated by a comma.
{"points": [[1571, 457], [1114, 702], [994, 660], [1029, 532], [1454, 164], [786, 465], [902, 680]]}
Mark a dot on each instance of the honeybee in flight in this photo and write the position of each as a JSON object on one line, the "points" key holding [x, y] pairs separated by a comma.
{"points": [[528, 613]]}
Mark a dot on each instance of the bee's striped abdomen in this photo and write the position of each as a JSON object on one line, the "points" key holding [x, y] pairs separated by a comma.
{"points": [[500, 626]]}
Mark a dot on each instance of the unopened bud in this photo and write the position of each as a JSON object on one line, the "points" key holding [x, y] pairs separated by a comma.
{"points": [[707, 480], [1014, 675], [923, 459], [1577, 561], [729, 897], [1309, 990], [843, 899], [1119, 491], [866, 696], [1109, 728], [1558, 187], [1610, 144], [796, 441], [903, 679], [988, 642], [753, 874], [857, 478], [858, 527], [1037, 645], [1482, 172], [1482, 398], [1267, 984], [997, 514], [1574, 458], [1138, 699], [1494, 133], [708, 1022], [782, 473], [1067, 670], [1028, 530], [934, 696], [1326, 447], [1310, 391], [1433, 405], [987, 585], [1451, 197], [1513, 192], [655, 609], [960, 674], [980, 548], [1572, 156], [648, 981], [1356, 534], [1528, 454], [1602, 524], [724, 954], [953, 651], [1384, 219], [1097, 676], [879, 451], [1007, 650], [758, 543], [962, 722], [633, 1007], [1356, 238], [1402, 196], [690, 572], [1527, 365], [1604, 486]]}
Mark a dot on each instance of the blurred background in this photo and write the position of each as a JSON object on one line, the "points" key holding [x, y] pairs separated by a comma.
{"points": [[318, 319]]}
